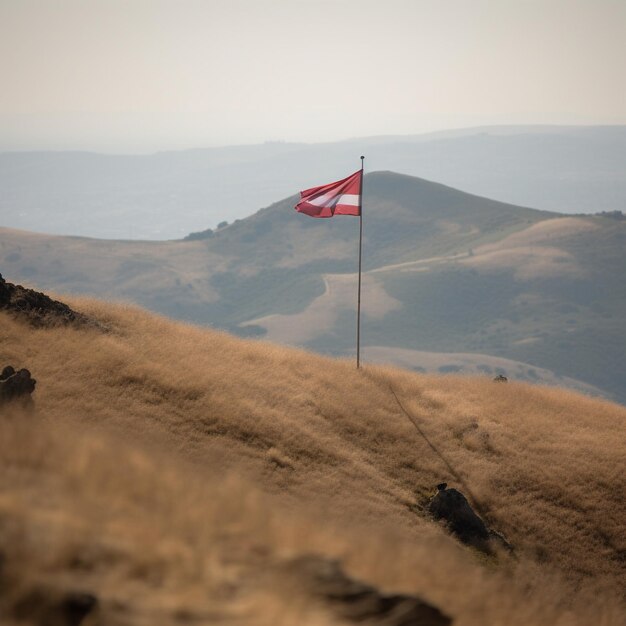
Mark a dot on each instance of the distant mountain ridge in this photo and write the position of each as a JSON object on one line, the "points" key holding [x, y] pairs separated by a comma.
{"points": [[170, 194], [536, 294]]}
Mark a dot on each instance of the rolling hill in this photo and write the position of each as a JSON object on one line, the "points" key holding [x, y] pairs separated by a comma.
{"points": [[169, 474], [452, 283], [169, 194]]}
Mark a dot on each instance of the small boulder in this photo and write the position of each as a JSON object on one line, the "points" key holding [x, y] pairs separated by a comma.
{"points": [[452, 506], [49, 606], [16, 385], [7, 372]]}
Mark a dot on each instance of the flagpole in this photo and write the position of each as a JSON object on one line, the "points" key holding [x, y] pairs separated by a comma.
{"points": [[358, 306]]}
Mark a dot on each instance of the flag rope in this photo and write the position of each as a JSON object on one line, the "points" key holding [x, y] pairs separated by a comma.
{"points": [[447, 463]]}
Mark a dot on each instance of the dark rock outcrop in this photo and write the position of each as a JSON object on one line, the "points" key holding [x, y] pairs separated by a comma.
{"points": [[53, 607], [451, 506], [359, 602], [35, 307], [16, 385]]}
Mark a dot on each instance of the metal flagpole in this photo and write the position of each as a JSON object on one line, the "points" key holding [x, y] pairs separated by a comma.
{"points": [[358, 306]]}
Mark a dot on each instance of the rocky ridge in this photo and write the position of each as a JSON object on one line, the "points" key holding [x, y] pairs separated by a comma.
{"points": [[35, 307]]}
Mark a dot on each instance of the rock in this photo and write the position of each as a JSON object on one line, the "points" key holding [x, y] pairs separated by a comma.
{"points": [[7, 372], [35, 307], [452, 506], [47, 606], [356, 601], [16, 385], [75, 606]]}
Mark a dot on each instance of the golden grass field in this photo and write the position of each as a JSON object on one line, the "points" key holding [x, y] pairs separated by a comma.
{"points": [[174, 470]]}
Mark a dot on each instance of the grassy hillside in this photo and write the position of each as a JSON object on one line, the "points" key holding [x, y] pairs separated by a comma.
{"points": [[176, 472], [551, 296], [271, 262], [445, 272]]}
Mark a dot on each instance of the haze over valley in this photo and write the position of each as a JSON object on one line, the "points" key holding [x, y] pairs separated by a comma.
{"points": [[167, 195]]}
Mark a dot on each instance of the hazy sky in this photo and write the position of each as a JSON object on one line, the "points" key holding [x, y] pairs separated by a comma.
{"points": [[139, 75]]}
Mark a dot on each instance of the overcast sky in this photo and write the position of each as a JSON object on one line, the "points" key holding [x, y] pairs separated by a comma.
{"points": [[142, 75]]}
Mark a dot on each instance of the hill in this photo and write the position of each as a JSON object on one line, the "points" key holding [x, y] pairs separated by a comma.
{"points": [[174, 474], [453, 282], [169, 194]]}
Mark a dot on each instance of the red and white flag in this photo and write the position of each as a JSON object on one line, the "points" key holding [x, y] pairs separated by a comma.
{"points": [[339, 198]]}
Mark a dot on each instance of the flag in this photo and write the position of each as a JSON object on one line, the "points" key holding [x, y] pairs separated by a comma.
{"points": [[339, 198]]}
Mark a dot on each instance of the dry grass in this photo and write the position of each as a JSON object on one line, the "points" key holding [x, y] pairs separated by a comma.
{"points": [[172, 469], [531, 253]]}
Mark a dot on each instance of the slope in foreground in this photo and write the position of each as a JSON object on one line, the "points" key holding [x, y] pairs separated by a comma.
{"points": [[174, 473]]}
